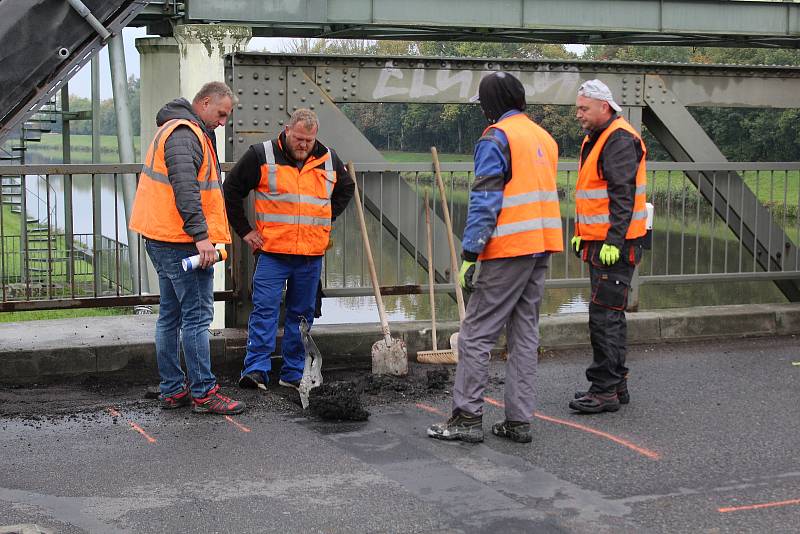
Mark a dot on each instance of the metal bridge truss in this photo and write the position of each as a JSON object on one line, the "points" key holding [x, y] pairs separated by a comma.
{"points": [[271, 86]]}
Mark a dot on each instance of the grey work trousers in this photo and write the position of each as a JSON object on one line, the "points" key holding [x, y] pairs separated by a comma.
{"points": [[508, 292]]}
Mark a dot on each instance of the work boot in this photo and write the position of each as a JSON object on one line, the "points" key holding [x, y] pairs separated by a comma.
{"points": [[216, 402], [596, 403], [287, 384], [252, 381], [177, 400], [622, 392], [461, 426], [518, 431]]}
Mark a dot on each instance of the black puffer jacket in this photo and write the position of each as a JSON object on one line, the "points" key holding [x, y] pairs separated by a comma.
{"points": [[184, 155]]}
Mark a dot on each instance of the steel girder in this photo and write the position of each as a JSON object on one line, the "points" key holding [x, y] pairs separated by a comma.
{"points": [[741, 23]]}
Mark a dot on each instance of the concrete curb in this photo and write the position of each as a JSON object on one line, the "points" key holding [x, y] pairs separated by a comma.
{"points": [[123, 345]]}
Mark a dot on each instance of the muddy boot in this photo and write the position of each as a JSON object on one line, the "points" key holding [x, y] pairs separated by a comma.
{"points": [[596, 403], [462, 427], [622, 393], [518, 431]]}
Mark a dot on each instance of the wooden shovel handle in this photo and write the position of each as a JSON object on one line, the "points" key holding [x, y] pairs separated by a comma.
{"points": [[430, 270], [368, 251], [448, 223]]}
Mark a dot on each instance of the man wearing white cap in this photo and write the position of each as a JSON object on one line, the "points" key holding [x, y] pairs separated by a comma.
{"points": [[609, 227]]}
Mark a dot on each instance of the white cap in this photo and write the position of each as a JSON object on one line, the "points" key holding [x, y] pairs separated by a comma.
{"points": [[599, 91]]}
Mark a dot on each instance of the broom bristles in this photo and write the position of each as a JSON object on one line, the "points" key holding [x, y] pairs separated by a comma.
{"points": [[437, 356]]}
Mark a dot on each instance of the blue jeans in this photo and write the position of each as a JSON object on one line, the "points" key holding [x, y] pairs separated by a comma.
{"points": [[186, 305], [301, 276]]}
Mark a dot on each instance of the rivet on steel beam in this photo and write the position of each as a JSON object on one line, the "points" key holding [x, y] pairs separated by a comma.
{"points": [[266, 93], [311, 91], [239, 122], [294, 91], [266, 123], [280, 122], [238, 106], [327, 80], [345, 80], [255, 91], [352, 74], [312, 106], [294, 108], [255, 122], [302, 99], [241, 140], [239, 91], [353, 93], [321, 102], [280, 107], [240, 76], [673, 100], [344, 97], [255, 106], [266, 107], [294, 74], [230, 139], [327, 71], [255, 75], [280, 92], [266, 77], [280, 77], [353, 84]]}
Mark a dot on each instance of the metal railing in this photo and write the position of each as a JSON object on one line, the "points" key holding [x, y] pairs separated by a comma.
{"points": [[695, 240]]}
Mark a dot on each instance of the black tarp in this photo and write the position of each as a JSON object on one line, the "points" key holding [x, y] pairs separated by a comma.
{"points": [[31, 34]]}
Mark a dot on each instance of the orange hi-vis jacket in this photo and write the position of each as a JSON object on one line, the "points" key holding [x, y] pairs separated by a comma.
{"points": [[155, 214], [592, 219], [529, 221], [293, 206]]}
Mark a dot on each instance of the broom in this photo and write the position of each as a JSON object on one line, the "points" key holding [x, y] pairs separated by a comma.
{"points": [[435, 355]]}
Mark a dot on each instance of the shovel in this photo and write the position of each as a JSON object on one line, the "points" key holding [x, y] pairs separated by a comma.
{"points": [[312, 371], [452, 245], [389, 355]]}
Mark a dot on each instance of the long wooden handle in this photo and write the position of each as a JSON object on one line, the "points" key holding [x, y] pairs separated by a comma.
{"points": [[430, 269], [368, 251], [450, 241]]}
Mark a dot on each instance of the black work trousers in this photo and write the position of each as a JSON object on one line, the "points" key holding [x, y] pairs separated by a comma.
{"points": [[607, 326]]}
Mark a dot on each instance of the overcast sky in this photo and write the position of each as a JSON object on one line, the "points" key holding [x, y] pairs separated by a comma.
{"points": [[81, 83]]}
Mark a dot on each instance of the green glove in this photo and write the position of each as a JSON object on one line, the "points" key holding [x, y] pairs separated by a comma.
{"points": [[609, 254], [465, 275], [575, 243]]}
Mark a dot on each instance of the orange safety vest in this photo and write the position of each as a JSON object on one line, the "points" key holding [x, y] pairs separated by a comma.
{"points": [[155, 214], [591, 194], [529, 221], [293, 206]]}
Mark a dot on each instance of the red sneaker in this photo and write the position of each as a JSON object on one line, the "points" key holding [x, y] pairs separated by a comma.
{"points": [[178, 400], [216, 402]]}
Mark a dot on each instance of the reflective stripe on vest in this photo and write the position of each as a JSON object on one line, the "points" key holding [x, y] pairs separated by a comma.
{"points": [[529, 221], [155, 214], [292, 214], [592, 217]]}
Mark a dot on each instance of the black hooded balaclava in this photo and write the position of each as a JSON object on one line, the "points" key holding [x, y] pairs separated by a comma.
{"points": [[500, 92]]}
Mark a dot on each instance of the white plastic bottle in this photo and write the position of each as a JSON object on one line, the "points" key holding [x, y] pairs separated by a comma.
{"points": [[193, 262]]}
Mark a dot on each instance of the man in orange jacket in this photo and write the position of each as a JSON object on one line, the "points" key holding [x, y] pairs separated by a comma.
{"points": [[180, 211], [609, 227], [300, 186], [513, 224]]}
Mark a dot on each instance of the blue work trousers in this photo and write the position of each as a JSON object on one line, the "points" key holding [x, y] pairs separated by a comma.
{"points": [[300, 275]]}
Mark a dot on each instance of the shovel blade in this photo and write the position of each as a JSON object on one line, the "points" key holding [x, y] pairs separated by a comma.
{"points": [[454, 344], [312, 370], [389, 360]]}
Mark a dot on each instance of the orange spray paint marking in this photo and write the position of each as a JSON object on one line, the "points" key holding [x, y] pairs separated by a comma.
{"points": [[757, 506], [137, 428], [430, 409], [625, 443], [235, 423]]}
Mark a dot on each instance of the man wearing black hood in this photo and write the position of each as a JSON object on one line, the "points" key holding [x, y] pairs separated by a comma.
{"points": [[513, 224], [180, 211]]}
